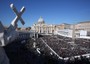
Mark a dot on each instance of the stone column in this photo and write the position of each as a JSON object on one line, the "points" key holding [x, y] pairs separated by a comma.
{"points": [[73, 33]]}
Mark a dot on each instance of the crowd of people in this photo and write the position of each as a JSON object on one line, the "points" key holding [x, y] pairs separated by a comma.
{"points": [[65, 48], [34, 51]]}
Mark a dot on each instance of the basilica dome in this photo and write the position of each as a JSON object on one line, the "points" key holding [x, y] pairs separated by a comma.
{"points": [[41, 20]]}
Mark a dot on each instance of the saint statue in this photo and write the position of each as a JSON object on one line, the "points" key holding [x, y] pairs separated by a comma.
{"points": [[10, 34]]}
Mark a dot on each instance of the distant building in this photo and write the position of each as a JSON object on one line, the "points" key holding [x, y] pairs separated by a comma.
{"points": [[24, 29], [83, 26], [82, 30], [42, 27], [63, 26]]}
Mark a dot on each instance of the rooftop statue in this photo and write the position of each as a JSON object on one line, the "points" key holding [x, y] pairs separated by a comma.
{"points": [[10, 34]]}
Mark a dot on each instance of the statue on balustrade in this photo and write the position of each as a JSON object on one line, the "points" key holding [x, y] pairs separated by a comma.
{"points": [[10, 34]]}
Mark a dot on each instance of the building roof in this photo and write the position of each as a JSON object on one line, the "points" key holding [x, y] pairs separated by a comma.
{"points": [[85, 22]]}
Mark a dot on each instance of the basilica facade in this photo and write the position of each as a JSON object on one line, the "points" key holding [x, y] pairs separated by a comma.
{"points": [[43, 28]]}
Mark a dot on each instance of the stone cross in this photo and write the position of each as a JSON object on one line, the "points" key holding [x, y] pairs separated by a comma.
{"points": [[18, 15], [9, 35]]}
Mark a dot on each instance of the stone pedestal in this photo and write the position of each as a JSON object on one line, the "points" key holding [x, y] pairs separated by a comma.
{"points": [[3, 57]]}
